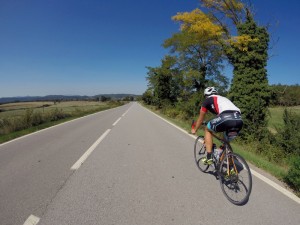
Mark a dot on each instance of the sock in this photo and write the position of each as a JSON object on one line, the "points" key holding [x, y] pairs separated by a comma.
{"points": [[208, 155]]}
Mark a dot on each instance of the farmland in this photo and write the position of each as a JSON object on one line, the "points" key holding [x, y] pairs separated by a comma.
{"points": [[19, 109], [275, 116], [17, 119]]}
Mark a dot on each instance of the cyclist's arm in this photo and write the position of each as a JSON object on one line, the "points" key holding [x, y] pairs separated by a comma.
{"points": [[199, 121]]}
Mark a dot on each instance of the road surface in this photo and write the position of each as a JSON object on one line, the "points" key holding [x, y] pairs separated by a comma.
{"points": [[122, 166]]}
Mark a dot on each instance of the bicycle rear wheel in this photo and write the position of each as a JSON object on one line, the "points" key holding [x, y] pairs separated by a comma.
{"points": [[200, 153], [235, 179]]}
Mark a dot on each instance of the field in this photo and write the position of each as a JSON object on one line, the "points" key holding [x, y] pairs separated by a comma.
{"points": [[19, 109], [275, 116], [18, 119]]}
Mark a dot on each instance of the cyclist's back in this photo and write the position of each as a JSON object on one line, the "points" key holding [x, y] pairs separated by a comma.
{"points": [[228, 115], [217, 104]]}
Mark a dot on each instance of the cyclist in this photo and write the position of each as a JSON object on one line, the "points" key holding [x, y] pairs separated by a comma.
{"points": [[228, 119]]}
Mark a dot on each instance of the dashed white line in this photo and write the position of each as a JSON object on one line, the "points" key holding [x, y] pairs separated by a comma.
{"points": [[32, 220], [126, 112], [89, 151], [48, 128], [114, 124]]}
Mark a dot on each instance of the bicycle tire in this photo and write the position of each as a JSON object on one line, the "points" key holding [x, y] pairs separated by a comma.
{"points": [[236, 187], [200, 153]]}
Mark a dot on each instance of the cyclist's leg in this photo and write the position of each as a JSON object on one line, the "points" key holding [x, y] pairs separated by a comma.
{"points": [[208, 140], [208, 143]]}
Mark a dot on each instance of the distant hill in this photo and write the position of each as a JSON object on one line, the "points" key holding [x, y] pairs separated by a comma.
{"points": [[63, 98]]}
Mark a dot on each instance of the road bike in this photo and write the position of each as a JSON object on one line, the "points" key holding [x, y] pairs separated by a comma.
{"points": [[231, 169]]}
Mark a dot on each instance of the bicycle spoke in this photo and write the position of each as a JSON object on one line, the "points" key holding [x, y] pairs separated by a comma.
{"points": [[200, 153], [235, 179]]}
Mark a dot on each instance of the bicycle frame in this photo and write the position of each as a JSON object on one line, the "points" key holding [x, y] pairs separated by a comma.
{"points": [[233, 171], [226, 150]]}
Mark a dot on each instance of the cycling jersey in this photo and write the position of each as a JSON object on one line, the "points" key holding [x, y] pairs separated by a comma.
{"points": [[228, 115], [217, 104]]}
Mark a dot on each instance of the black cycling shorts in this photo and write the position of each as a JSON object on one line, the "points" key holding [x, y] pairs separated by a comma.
{"points": [[226, 121]]}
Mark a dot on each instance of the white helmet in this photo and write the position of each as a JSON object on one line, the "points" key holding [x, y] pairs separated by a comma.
{"points": [[210, 91]]}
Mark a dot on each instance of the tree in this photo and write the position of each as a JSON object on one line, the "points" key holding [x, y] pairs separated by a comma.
{"points": [[162, 81], [200, 60], [247, 52], [250, 89]]}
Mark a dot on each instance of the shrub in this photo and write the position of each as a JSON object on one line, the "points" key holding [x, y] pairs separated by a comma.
{"points": [[37, 119], [293, 176], [58, 114], [288, 137], [170, 112], [5, 125], [27, 118]]}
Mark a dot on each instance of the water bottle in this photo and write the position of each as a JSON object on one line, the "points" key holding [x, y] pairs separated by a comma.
{"points": [[217, 152]]}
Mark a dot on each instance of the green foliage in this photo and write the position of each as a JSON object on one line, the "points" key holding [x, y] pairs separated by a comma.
{"points": [[176, 86], [27, 118], [288, 137], [33, 118], [104, 98], [293, 175], [285, 95], [57, 114], [37, 119], [250, 89], [287, 140], [199, 58], [162, 82], [147, 97]]}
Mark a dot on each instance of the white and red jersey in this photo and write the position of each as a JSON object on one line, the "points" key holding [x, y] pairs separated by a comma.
{"points": [[217, 104]]}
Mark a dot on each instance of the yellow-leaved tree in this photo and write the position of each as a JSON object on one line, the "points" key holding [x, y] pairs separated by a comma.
{"points": [[230, 24]]}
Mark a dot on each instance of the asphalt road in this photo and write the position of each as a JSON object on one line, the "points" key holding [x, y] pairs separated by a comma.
{"points": [[122, 166]]}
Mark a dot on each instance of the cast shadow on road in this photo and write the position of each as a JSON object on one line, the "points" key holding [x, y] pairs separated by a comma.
{"points": [[240, 184]]}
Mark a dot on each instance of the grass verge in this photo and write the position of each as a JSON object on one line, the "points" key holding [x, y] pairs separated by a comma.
{"points": [[274, 169], [16, 134]]}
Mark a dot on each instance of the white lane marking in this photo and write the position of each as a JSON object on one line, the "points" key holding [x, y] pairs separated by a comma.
{"points": [[32, 220], [276, 186], [258, 175], [89, 151], [127, 111], [114, 124], [34, 133]]}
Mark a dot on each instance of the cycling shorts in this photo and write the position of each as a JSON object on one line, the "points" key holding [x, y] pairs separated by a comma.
{"points": [[226, 121]]}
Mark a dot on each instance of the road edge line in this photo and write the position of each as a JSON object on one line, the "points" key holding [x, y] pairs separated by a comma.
{"points": [[60, 124], [255, 173]]}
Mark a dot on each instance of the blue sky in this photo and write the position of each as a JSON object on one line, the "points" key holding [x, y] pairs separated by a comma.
{"points": [[89, 47]]}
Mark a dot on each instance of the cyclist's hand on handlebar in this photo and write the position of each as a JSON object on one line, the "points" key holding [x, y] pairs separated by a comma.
{"points": [[193, 130]]}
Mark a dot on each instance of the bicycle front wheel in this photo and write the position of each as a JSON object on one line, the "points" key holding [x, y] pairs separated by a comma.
{"points": [[200, 153], [235, 179]]}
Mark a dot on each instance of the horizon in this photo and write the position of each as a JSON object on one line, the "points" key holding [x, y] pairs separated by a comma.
{"points": [[87, 47], [34, 96]]}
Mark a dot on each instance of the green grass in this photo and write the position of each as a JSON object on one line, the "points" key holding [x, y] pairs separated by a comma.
{"points": [[244, 150], [19, 109], [74, 110], [275, 119]]}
